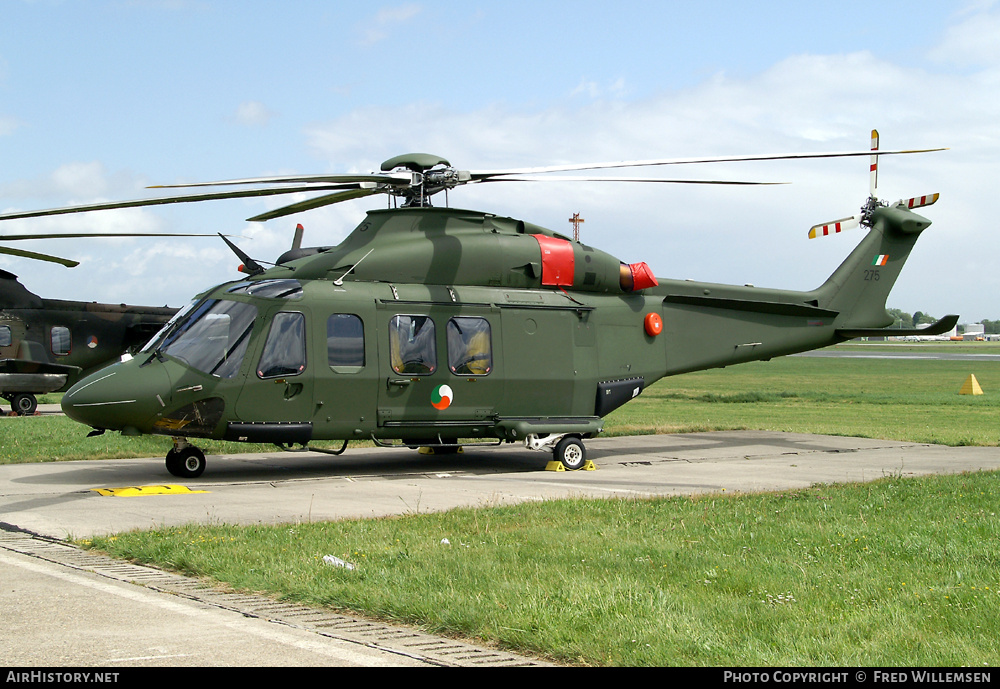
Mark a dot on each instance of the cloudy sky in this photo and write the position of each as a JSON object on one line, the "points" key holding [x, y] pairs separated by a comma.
{"points": [[99, 99]]}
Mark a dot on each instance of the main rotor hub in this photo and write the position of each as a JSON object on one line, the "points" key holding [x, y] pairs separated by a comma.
{"points": [[430, 175]]}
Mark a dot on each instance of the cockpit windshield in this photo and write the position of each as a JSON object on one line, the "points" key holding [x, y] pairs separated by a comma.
{"points": [[157, 339], [212, 337]]}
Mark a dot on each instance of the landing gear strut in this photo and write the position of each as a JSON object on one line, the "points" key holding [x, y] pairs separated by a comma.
{"points": [[184, 460], [568, 450]]}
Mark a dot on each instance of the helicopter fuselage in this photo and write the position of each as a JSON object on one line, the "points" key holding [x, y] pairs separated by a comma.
{"points": [[429, 325]]}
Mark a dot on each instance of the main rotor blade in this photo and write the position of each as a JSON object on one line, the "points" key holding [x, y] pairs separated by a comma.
{"points": [[309, 204], [343, 179], [213, 196], [547, 178], [39, 257], [686, 161]]}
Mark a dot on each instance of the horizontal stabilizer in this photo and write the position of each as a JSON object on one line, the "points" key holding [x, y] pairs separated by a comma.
{"points": [[938, 328]]}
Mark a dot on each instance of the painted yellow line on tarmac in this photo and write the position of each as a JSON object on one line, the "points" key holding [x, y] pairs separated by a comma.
{"points": [[138, 491]]}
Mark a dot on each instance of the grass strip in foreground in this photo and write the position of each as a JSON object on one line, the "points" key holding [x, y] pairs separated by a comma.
{"points": [[897, 572]]}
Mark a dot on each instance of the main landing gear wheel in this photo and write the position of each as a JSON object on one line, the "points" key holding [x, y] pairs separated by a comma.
{"points": [[24, 404], [188, 462], [571, 453]]}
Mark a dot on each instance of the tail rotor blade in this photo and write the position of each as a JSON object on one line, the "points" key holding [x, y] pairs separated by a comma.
{"points": [[874, 164], [834, 227], [920, 201]]}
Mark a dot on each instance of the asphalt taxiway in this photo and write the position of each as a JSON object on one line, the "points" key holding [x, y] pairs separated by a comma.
{"points": [[62, 499], [60, 596]]}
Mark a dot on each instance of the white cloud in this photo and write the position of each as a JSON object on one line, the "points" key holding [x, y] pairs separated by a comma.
{"points": [[75, 182], [254, 114], [593, 89], [971, 43], [8, 125], [385, 20], [804, 103]]}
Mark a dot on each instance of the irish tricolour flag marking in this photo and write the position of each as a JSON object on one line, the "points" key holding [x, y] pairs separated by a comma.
{"points": [[442, 396], [881, 260]]}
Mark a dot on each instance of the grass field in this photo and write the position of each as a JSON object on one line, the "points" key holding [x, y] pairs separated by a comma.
{"points": [[898, 572], [897, 399], [891, 573]]}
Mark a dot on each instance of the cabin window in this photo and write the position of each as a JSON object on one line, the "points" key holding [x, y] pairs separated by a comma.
{"points": [[470, 347], [212, 337], [285, 348], [412, 345], [345, 340], [5, 337], [60, 340]]}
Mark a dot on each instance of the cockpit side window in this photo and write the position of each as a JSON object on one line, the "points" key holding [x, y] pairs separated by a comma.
{"points": [[5, 336], [412, 345], [285, 348]]}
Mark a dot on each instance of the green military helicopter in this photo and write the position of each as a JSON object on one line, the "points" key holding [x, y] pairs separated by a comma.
{"points": [[440, 327]]}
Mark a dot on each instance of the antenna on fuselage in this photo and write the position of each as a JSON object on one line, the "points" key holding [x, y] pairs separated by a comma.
{"points": [[340, 281]]}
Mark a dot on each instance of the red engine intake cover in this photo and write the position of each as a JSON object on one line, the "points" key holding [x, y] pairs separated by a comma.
{"points": [[557, 261], [642, 276]]}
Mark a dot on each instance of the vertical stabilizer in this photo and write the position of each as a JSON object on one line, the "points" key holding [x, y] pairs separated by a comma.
{"points": [[858, 289]]}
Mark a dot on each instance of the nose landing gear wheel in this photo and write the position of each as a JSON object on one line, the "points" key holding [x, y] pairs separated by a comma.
{"points": [[571, 453], [188, 462]]}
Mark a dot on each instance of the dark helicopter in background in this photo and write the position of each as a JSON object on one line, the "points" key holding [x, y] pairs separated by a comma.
{"points": [[46, 345], [435, 326]]}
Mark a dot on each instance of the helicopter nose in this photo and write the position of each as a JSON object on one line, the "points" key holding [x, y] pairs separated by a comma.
{"points": [[123, 397]]}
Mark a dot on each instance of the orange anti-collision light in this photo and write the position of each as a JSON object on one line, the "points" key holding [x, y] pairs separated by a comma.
{"points": [[653, 324]]}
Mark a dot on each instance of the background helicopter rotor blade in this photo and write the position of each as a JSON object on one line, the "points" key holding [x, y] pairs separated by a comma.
{"points": [[69, 263], [81, 235], [39, 257]]}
